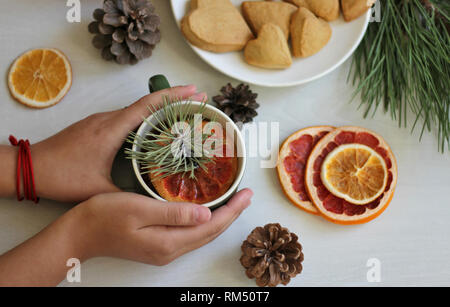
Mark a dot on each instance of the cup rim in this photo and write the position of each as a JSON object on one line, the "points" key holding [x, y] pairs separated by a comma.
{"points": [[238, 139]]}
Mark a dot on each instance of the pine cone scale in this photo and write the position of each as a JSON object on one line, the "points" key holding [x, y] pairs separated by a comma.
{"points": [[117, 49], [93, 27], [105, 29], [260, 267], [98, 14], [114, 19], [107, 55], [119, 36], [152, 22], [274, 273], [101, 41], [111, 6], [151, 38]]}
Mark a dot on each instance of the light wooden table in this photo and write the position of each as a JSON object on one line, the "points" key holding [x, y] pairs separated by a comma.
{"points": [[410, 239]]}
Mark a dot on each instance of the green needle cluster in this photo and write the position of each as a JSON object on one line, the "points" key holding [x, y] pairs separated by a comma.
{"points": [[167, 149], [403, 65]]}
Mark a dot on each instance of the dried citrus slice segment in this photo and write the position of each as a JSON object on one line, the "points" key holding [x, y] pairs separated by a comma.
{"points": [[208, 185], [354, 172], [294, 153], [335, 208], [40, 78]]}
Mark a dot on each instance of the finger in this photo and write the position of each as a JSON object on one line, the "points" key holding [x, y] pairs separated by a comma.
{"points": [[135, 112], [199, 97], [152, 212], [112, 188], [190, 238]]}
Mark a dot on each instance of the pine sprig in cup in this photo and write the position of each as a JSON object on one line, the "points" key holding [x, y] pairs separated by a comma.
{"points": [[168, 149]]}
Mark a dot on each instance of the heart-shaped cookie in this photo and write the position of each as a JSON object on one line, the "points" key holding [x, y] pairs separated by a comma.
{"points": [[352, 9], [195, 4], [215, 25], [258, 13], [326, 9], [309, 34], [269, 50]]}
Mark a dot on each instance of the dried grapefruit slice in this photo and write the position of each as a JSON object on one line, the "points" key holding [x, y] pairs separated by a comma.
{"points": [[208, 185], [354, 172], [337, 209], [294, 153], [40, 78]]}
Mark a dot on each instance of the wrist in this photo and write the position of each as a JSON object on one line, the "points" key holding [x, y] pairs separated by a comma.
{"points": [[76, 231], [39, 165], [81, 232], [43, 259], [8, 167]]}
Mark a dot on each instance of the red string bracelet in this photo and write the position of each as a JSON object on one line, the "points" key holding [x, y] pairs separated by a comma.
{"points": [[24, 168]]}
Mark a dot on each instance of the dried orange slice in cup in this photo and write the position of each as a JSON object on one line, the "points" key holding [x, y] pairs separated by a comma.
{"points": [[292, 158], [342, 189], [40, 78]]}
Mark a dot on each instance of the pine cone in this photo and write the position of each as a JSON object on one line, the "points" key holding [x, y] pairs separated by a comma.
{"points": [[272, 255], [126, 30], [238, 103]]}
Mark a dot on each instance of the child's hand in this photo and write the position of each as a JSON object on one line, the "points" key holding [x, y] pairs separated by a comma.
{"points": [[76, 163], [124, 225], [139, 228]]}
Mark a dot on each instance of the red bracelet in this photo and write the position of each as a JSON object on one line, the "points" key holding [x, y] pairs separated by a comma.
{"points": [[24, 164]]}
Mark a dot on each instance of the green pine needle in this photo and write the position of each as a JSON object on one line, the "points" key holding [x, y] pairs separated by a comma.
{"points": [[403, 65], [157, 155]]}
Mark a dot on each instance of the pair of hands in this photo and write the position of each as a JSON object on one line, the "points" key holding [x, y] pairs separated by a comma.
{"points": [[75, 165]]}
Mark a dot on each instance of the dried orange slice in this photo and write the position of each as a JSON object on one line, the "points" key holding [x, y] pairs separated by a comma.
{"points": [[335, 208], [40, 78], [354, 172], [294, 153]]}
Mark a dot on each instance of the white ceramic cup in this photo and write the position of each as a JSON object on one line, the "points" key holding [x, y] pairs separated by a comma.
{"points": [[220, 117]]}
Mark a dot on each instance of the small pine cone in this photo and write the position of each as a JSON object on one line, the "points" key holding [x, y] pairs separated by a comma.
{"points": [[238, 103], [125, 30], [272, 255]]}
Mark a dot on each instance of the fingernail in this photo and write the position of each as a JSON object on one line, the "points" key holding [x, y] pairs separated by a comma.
{"points": [[249, 198], [249, 193], [202, 214]]}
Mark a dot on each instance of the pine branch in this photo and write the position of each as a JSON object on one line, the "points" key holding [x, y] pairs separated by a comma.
{"points": [[403, 64]]}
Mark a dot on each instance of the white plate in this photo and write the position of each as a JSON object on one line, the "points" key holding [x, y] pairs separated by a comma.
{"points": [[344, 40]]}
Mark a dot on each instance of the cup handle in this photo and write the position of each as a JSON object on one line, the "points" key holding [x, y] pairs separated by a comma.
{"points": [[157, 83]]}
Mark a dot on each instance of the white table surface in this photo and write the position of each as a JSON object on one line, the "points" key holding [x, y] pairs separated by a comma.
{"points": [[411, 238]]}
